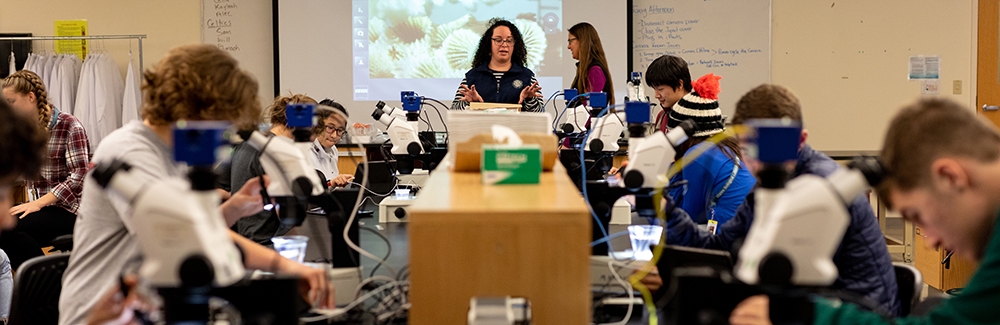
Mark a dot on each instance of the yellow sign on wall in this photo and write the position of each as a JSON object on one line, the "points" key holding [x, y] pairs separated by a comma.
{"points": [[75, 27]]}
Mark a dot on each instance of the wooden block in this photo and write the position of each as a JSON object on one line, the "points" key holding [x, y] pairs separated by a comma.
{"points": [[469, 240], [477, 106]]}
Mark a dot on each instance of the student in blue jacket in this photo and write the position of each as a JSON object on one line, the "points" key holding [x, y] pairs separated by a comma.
{"points": [[498, 72], [717, 180], [863, 263]]}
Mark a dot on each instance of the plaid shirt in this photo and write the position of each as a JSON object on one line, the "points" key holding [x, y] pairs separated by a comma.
{"points": [[66, 163]]}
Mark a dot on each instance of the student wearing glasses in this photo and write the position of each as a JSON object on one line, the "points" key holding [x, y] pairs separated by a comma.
{"points": [[330, 128], [592, 66], [245, 166], [498, 72]]}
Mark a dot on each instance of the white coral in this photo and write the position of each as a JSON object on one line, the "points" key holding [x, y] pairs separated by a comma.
{"points": [[399, 10], [442, 31], [433, 67], [376, 28], [380, 63], [534, 41], [460, 48], [411, 29], [411, 55]]}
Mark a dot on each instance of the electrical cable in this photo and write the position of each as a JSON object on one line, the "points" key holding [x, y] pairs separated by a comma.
{"points": [[361, 286], [423, 118], [391, 191], [328, 314], [354, 214], [647, 268], [567, 107], [555, 111], [609, 238], [447, 133], [388, 249], [628, 289], [583, 177]]}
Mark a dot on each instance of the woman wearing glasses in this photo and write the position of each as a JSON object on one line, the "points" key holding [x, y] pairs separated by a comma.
{"points": [[592, 67], [330, 127], [245, 165], [498, 72]]}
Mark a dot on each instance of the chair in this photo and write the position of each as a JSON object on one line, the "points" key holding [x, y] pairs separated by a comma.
{"points": [[37, 284], [911, 284]]}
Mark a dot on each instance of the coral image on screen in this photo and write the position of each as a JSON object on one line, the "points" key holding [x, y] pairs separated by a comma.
{"points": [[437, 39]]}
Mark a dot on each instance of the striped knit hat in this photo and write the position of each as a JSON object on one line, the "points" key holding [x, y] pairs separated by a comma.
{"points": [[702, 106]]}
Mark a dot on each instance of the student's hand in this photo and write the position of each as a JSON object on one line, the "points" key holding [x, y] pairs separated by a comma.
{"points": [[223, 194], [530, 91], [752, 311], [652, 280], [115, 308], [615, 170], [470, 94], [342, 180], [25, 209], [314, 285], [247, 201]]}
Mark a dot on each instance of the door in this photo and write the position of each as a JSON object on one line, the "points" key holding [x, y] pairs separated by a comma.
{"points": [[958, 271], [988, 76]]}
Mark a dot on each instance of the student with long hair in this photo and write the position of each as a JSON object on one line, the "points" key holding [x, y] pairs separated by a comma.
{"points": [[592, 73], [499, 73], [193, 82], [59, 184]]}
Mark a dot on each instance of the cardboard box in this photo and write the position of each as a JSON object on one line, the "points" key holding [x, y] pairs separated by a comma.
{"points": [[511, 165]]}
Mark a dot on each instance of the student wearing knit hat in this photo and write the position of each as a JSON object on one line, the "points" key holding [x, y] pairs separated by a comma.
{"points": [[717, 180]]}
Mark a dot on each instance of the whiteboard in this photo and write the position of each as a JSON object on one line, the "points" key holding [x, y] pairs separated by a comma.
{"points": [[730, 38], [243, 28]]}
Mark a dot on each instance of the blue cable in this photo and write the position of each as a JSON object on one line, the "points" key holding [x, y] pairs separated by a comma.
{"points": [[583, 180], [557, 93], [546, 105]]}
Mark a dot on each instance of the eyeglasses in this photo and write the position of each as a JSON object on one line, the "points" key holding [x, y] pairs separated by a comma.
{"points": [[501, 42], [332, 129], [570, 40]]}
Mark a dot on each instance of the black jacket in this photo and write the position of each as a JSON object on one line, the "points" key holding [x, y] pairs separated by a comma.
{"points": [[511, 84]]}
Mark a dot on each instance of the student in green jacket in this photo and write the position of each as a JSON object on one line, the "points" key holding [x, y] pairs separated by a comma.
{"points": [[944, 176]]}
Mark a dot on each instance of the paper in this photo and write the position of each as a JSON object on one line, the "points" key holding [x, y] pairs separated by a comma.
{"points": [[930, 87], [925, 67], [76, 27]]}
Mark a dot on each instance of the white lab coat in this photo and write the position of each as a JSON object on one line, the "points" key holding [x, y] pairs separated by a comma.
{"points": [[326, 160], [64, 80], [13, 65], [47, 70], [84, 95], [55, 83], [40, 68], [132, 101], [29, 61], [109, 90]]}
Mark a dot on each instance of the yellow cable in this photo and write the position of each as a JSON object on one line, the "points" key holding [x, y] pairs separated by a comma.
{"points": [[691, 155]]}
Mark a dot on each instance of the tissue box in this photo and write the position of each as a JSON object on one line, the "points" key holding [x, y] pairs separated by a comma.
{"points": [[511, 165]]}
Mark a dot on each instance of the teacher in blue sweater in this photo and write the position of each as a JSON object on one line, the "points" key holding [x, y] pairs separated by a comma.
{"points": [[498, 72]]}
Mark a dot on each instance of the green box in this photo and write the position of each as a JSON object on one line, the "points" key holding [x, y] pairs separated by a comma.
{"points": [[503, 164]]}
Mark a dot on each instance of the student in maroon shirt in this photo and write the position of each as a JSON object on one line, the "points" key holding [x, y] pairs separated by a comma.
{"points": [[59, 184], [592, 73]]}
